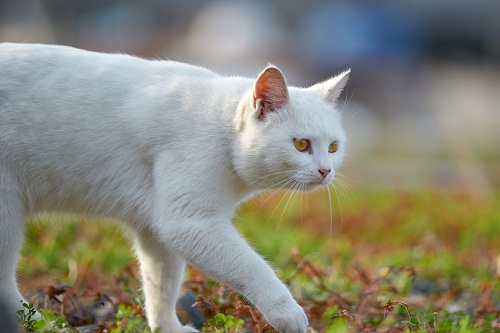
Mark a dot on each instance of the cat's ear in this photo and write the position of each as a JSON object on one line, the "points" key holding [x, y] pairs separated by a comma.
{"points": [[332, 88], [270, 91]]}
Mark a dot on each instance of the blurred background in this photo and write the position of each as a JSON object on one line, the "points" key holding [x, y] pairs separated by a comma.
{"points": [[422, 108]]}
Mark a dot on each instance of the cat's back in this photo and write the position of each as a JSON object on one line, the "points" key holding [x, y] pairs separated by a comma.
{"points": [[37, 62], [52, 85], [42, 62]]}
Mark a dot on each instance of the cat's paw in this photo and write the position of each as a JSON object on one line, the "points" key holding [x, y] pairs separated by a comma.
{"points": [[288, 319]]}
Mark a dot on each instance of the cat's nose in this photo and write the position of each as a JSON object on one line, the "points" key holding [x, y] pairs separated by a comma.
{"points": [[324, 172]]}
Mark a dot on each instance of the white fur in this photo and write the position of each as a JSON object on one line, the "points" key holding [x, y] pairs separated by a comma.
{"points": [[169, 149]]}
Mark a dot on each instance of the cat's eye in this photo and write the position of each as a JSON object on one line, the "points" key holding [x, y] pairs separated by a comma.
{"points": [[301, 144], [333, 147]]}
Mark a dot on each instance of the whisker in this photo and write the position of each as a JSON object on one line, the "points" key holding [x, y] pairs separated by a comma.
{"points": [[279, 203], [330, 207], [348, 177], [340, 207], [347, 100], [271, 177], [345, 121], [344, 181], [292, 189], [301, 189], [272, 194], [345, 186]]}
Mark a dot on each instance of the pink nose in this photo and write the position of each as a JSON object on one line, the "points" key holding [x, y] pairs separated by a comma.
{"points": [[324, 172]]}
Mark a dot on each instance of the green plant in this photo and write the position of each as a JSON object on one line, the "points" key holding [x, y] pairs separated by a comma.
{"points": [[27, 317], [130, 319], [137, 298], [338, 326], [222, 323], [49, 322]]}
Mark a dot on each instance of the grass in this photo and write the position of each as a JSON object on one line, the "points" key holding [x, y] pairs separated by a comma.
{"points": [[386, 261]]}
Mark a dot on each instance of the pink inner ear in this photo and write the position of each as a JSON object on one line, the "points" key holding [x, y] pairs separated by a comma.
{"points": [[270, 90]]}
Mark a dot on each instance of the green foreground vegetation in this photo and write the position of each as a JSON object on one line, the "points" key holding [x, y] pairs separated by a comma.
{"points": [[383, 261]]}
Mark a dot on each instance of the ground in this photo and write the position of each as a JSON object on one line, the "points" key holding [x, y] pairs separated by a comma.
{"points": [[383, 261]]}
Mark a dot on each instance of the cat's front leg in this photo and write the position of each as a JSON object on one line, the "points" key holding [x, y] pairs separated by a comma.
{"points": [[217, 249], [162, 274]]}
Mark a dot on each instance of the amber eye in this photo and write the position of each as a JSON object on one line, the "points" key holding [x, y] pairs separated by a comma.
{"points": [[332, 148], [301, 144]]}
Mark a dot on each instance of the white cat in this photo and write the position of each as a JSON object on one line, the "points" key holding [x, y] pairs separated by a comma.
{"points": [[167, 148]]}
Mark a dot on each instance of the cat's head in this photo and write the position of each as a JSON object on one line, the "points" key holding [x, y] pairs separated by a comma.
{"points": [[289, 137]]}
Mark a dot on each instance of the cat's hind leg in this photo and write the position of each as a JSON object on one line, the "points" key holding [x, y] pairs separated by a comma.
{"points": [[11, 239], [162, 275]]}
